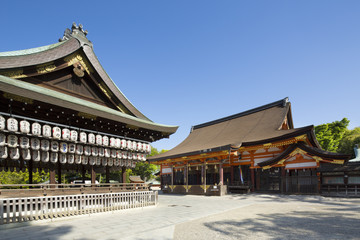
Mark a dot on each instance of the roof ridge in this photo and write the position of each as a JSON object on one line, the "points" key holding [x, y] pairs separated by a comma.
{"points": [[283, 103]]}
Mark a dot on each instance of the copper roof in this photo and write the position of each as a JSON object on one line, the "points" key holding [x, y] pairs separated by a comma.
{"points": [[255, 126]]}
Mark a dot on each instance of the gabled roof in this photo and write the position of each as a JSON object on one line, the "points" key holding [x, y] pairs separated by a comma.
{"points": [[73, 46], [311, 151], [252, 127]]}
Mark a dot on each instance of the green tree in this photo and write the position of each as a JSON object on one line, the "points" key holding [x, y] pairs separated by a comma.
{"points": [[349, 140], [329, 135], [7, 177], [146, 170]]}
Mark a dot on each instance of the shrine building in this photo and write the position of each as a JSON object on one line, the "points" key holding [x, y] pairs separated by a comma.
{"points": [[60, 111], [256, 150]]}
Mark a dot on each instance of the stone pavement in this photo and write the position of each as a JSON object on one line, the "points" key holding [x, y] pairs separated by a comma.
{"points": [[183, 217]]}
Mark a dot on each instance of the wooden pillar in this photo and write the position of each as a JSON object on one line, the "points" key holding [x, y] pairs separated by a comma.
{"points": [[221, 174], [83, 172], [30, 169], [252, 179], [186, 172], [59, 173], [107, 174], [172, 178], [93, 175], [232, 175], [283, 180], [258, 181], [52, 177], [123, 171], [203, 176]]}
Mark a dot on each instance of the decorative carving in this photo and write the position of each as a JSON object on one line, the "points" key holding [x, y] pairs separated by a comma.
{"points": [[105, 90], [338, 161], [45, 68], [75, 30], [75, 59], [14, 74], [18, 98]]}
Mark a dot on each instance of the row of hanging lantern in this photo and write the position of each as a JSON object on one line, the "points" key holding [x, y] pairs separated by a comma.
{"points": [[35, 129], [54, 157]]}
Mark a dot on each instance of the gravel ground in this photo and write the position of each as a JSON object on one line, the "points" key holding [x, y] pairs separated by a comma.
{"points": [[288, 218]]}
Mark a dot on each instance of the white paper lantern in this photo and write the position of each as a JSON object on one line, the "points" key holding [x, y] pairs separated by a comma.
{"points": [[36, 156], [56, 132], [12, 140], [113, 153], [104, 162], [94, 151], [138, 156], [117, 142], [66, 134], [87, 150], [53, 157], [116, 162], [54, 146], [12, 125], [62, 158], [92, 160], [72, 148], [45, 156], [79, 149], [105, 140], [101, 152], [2, 123], [112, 142], [24, 126], [129, 156], [121, 163], [73, 135], [46, 131], [24, 142], [110, 162], [134, 156], [35, 143], [71, 158], [148, 148], [83, 137], [63, 147], [3, 152], [124, 155], [84, 160], [99, 139], [91, 138], [143, 156], [139, 146], [107, 152], [45, 145], [129, 144], [123, 144], [118, 154], [78, 159], [26, 154], [2, 139], [134, 145], [98, 161], [36, 129]]}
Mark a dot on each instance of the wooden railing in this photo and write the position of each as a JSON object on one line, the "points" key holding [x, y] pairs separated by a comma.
{"points": [[344, 190], [14, 210], [37, 190]]}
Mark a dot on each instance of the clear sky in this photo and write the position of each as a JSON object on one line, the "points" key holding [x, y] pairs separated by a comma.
{"points": [[185, 62]]}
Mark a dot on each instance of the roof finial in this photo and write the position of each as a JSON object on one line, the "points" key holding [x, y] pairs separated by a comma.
{"points": [[76, 31]]}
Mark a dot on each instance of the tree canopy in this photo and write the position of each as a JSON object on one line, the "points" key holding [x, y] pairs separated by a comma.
{"points": [[329, 135]]}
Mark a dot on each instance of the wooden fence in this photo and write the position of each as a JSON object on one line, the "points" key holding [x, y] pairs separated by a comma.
{"points": [[14, 210]]}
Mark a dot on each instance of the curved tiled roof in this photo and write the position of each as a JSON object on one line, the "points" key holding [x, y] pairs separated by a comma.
{"points": [[310, 150], [256, 126], [40, 55]]}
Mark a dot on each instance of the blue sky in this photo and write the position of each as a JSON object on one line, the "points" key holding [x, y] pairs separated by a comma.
{"points": [[188, 62]]}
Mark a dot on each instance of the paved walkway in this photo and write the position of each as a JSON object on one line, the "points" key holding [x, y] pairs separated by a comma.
{"points": [[200, 217]]}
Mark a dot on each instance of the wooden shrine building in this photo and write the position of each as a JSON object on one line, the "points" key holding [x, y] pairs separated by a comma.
{"points": [[60, 111], [257, 150]]}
